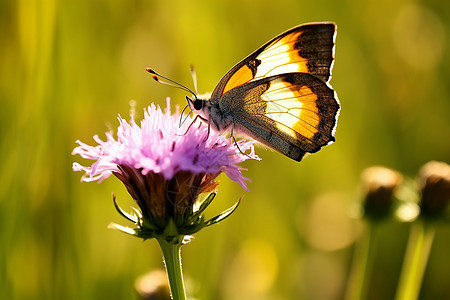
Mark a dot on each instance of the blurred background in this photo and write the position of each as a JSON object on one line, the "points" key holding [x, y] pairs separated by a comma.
{"points": [[68, 68]]}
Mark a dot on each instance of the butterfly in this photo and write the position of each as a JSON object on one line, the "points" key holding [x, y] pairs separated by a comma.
{"points": [[280, 94]]}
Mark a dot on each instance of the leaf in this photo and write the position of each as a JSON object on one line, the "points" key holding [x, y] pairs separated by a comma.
{"points": [[130, 217], [124, 229], [222, 216], [201, 209]]}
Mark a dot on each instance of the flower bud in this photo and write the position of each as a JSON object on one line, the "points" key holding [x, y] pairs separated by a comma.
{"points": [[434, 180], [379, 184]]}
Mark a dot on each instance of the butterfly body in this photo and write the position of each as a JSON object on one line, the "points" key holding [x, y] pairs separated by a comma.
{"points": [[279, 95]]}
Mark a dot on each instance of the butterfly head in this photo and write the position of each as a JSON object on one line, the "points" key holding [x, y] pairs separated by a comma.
{"points": [[198, 102], [195, 103]]}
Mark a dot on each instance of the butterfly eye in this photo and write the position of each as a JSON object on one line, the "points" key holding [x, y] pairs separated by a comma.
{"points": [[198, 104]]}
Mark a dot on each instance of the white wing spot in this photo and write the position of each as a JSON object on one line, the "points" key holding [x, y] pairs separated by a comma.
{"points": [[284, 112], [278, 63]]}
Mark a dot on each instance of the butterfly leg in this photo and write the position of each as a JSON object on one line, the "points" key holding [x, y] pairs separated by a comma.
{"points": [[236, 143], [209, 127], [193, 121]]}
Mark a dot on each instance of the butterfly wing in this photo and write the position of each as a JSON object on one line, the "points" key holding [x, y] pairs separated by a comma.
{"points": [[294, 113], [306, 48]]}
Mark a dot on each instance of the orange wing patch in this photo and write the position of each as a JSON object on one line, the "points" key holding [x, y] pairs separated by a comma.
{"points": [[308, 114], [243, 75]]}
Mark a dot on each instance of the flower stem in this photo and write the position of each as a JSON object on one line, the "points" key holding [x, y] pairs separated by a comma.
{"points": [[172, 259], [362, 264], [416, 258]]}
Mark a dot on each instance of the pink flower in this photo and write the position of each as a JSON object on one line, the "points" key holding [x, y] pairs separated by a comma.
{"points": [[161, 146], [165, 166]]}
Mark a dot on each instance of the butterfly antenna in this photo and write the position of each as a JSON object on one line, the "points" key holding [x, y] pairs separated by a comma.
{"points": [[170, 82], [194, 77]]}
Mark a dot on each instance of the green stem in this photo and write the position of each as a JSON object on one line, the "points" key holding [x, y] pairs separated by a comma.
{"points": [[172, 259], [415, 261], [362, 264]]}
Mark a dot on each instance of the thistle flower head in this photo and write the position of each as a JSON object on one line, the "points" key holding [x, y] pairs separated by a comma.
{"points": [[165, 167]]}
